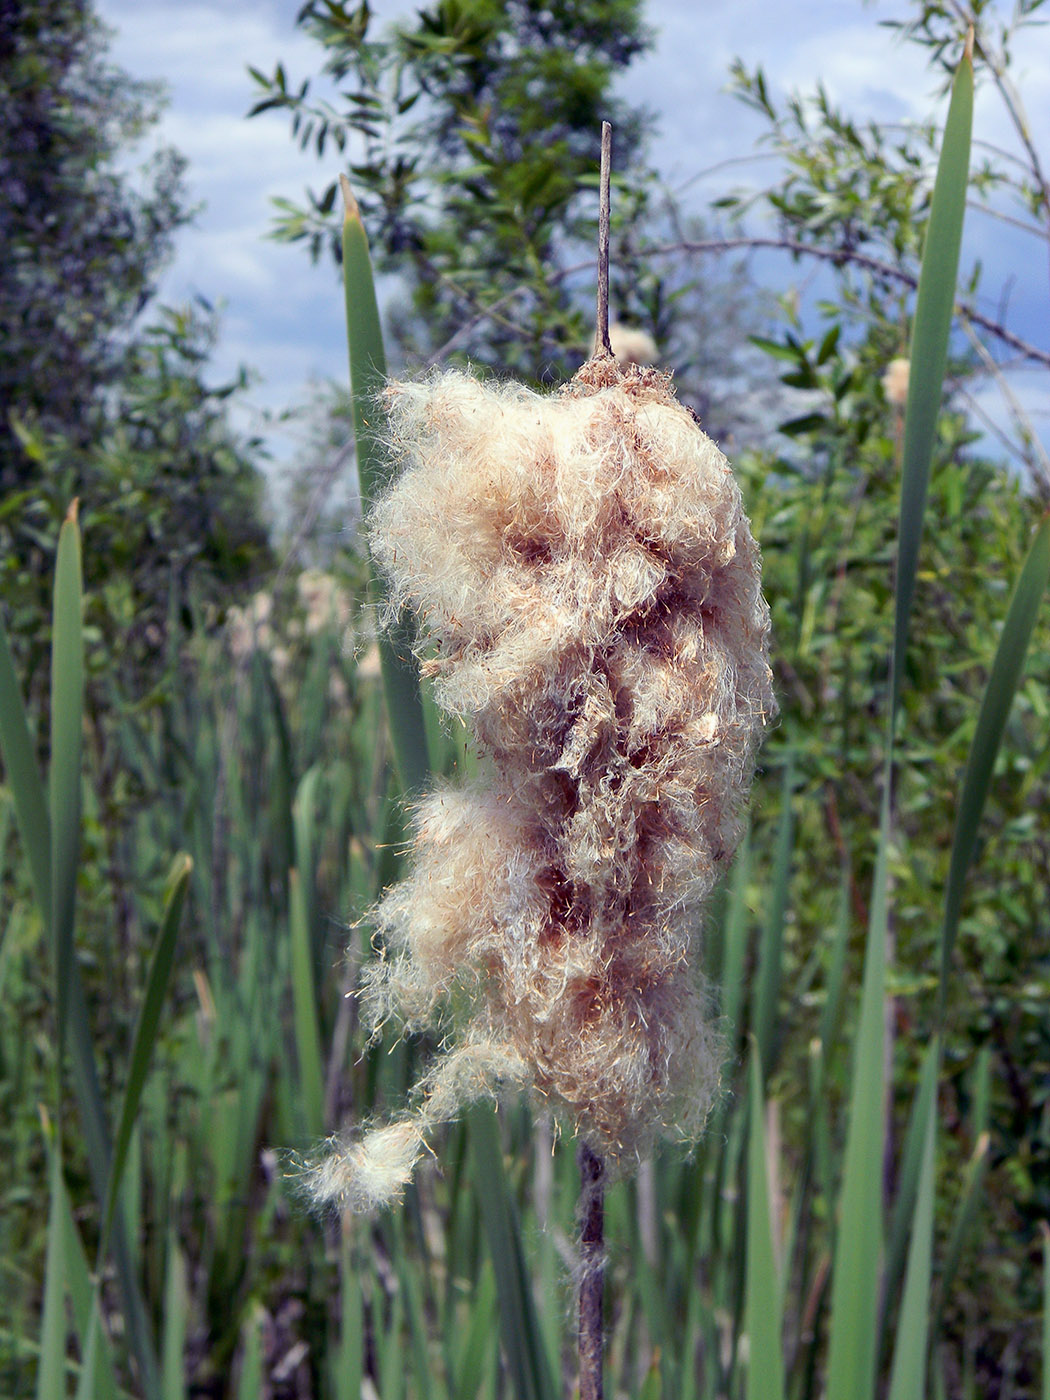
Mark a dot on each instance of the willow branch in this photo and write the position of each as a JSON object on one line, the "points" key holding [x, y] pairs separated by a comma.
{"points": [[852, 256]]}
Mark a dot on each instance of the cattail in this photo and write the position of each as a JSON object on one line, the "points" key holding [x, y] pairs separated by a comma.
{"points": [[589, 594], [895, 382], [630, 345]]}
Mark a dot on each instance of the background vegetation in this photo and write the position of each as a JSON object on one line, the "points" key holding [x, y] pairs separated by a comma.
{"points": [[230, 708]]}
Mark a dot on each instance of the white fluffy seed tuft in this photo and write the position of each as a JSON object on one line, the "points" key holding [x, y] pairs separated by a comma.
{"points": [[590, 597]]}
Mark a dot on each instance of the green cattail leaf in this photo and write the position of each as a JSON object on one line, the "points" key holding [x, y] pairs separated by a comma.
{"points": [[829, 1016], [50, 1379], [250, 1384], [367, 354], [67, 717], [87, 1384], [304, 991], [981, 1093], [98, 1378], [652, 1386], [934, 305], [304, 998], [962, 1224], [367, 377], [96, 1137], [765, 1366], [527, 1362], [902, 1223], [67, 705], [1046, 1311], [855, 1272], [304, 846], [176, 1318], [734, 940], [147, 1029], [771, 948], [349, 1357], [424, 1381], [23, 777], [390, 1354], [474, 1348], [991, 724], [908, 1375]]}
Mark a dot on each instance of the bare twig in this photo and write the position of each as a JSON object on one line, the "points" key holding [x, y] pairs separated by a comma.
{"points": [[838, 256], [592, 1272], [601, 337], [841, 256]]}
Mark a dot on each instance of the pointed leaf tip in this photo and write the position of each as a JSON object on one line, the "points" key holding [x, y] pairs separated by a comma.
{"points": [[73, 511], [352, 211], [968, 50]]}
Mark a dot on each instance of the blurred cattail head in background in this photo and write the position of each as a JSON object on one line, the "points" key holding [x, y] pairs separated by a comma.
{"points": [[895, 382], [590, 598]]}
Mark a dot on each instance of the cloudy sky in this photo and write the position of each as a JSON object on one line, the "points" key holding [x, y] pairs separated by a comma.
{"points": [[282, 316]]}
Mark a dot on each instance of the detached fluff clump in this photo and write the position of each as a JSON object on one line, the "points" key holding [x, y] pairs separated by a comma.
{"points": [[589, 592]]}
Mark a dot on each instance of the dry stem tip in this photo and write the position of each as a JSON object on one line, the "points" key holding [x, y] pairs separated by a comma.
{"points": [[351, 210], [602, 330]]}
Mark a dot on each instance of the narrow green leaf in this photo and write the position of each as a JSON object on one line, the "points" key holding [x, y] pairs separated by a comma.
{"points": [[147, 1028], [424, 1381], [527, 1362], [734, 940], [908, 1375], [765, 1364], [1046, 1311], [67, 717], [829, 1016], [250, 1384], [390, 1354], [962, 1224], [476, 1339], [652, 1386], [50, 1380], [903, 1220], [23, 776], [307, 1032], [67, 705], [304, 844], [100, 1378], [934, 305], [771, 949], [96, 1138], [991, 723], [367, 355], [348, 1358], [176, 1316], [367, 377], [855, 1273], [304, 992], [981, 1093]]}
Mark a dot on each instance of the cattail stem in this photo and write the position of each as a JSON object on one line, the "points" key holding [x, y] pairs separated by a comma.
{"points": [[602, 332], [592, 1168], [592, 1272]]}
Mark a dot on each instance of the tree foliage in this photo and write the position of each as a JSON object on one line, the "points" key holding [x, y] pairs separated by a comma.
{"points": [[82, 243], [473, 141], [98, 400]]}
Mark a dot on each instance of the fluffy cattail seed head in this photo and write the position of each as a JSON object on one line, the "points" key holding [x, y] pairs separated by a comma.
{"points": [[895, 382], [589, 592]]}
